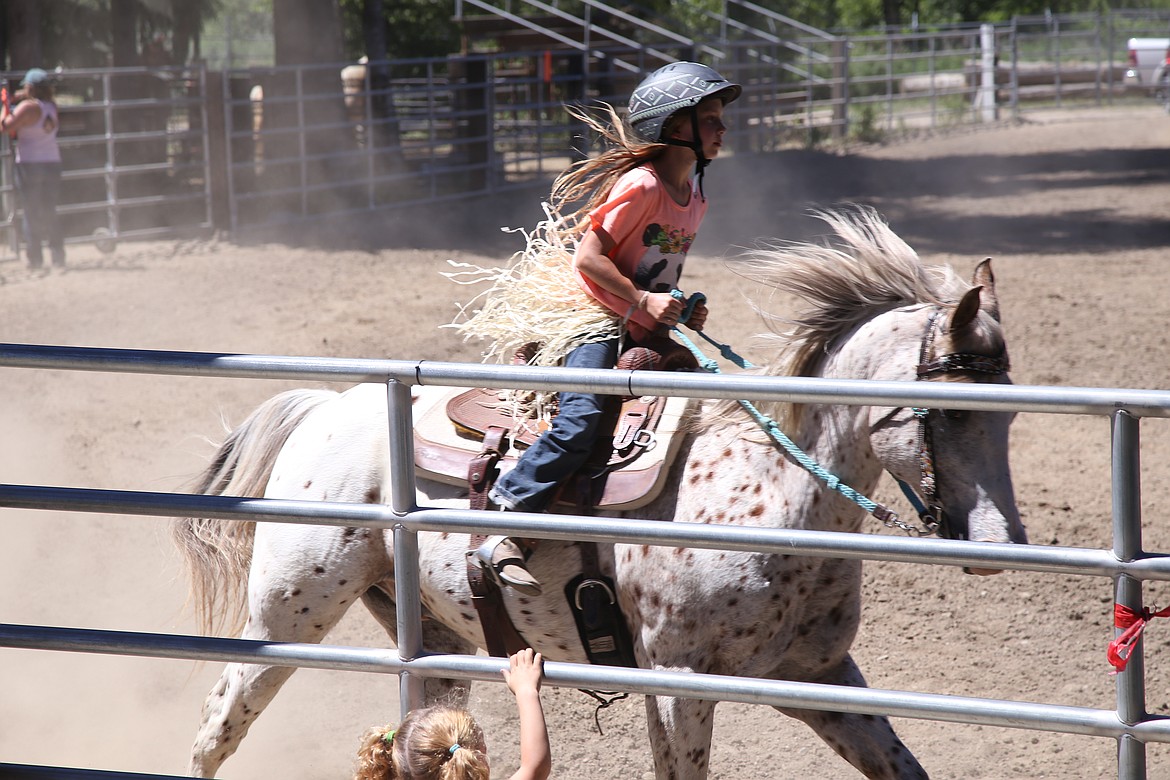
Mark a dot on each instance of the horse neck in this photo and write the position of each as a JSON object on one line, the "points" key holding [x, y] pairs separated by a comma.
{"points": [[838, 436]]}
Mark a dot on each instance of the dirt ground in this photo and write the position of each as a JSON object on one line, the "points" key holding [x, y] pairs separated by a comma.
{"points": [[1075, 211]]}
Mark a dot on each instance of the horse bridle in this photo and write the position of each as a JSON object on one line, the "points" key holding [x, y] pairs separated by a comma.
{"points": [[929, 507], [931, 512]]}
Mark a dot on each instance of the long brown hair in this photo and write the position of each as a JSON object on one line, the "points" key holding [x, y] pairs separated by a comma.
{"points": [[42, 91], [586, 184]]}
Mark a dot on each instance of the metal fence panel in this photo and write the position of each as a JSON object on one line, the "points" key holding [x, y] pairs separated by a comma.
{"points": [[1127, 563], [162, 152], [335, 139], [134, 147]]}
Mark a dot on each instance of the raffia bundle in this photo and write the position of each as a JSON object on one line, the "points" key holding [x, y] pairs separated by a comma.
{"points": [[534, 299]]}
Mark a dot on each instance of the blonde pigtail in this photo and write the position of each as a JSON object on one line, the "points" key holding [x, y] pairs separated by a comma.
{"points": [[375, 760], [435, 743]]}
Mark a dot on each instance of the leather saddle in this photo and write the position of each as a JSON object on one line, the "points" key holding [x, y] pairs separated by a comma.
{"points": [[628, 473], [464, 441]]}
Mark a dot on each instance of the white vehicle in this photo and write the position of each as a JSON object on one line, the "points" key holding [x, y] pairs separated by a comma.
{"points": [[1147, 63]]}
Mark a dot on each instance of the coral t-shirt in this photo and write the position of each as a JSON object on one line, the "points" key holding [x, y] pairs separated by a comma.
{"points": [[652, 234]]}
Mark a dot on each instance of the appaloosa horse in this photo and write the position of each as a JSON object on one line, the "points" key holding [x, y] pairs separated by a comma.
{"points": [[873, 312]]}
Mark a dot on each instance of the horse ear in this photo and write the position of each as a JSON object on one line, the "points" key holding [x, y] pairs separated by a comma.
{"points": [[984, 278], [966, 311]]}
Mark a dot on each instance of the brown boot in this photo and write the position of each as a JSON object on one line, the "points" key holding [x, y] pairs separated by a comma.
{"points": [[503, 560]]}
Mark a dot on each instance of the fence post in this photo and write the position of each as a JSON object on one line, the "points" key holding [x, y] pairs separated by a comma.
{"points": [[840, 90], [218, 155], [988, 59], [1014, 87], [406, 579], [8, 194], [474, 102], [1127, 546], [111, 170]]}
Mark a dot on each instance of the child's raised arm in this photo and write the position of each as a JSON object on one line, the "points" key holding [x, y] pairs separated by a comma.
{"points": [[523, 678]]}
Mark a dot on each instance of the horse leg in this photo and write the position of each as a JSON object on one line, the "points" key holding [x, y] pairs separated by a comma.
{"points": [[680, 736], [302, 581], [868, 742], [437, 638]]}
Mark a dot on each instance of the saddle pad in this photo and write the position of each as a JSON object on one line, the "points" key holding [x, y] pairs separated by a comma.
{"points": [[441, 453]]}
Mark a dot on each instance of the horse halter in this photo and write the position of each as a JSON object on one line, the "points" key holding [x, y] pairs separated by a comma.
{"points": [[929, 507]]}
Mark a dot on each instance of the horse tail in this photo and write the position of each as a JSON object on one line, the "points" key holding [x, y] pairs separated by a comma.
{"points": [[218, 553]]}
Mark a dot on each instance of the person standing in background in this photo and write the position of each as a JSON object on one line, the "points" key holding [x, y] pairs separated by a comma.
{"points": [[33, 122]]}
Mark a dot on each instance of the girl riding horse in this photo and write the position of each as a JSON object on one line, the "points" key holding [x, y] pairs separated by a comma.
{"points": [[642, 209]]}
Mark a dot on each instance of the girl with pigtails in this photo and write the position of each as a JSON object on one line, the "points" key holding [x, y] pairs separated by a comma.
{"points": [[445, 743]]}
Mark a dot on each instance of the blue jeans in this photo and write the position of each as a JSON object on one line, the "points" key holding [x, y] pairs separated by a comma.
{"points": [[39, 185], [566, 445]]}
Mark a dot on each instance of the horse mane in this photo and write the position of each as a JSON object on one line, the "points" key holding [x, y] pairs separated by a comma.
{"points": [[862, 269]]}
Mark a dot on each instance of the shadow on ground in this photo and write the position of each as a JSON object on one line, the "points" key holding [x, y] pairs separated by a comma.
{"points": [[770, 196], [929, 202]]}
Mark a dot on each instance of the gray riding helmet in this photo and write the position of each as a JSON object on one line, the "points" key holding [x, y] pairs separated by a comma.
{"points": [[673, 88]]}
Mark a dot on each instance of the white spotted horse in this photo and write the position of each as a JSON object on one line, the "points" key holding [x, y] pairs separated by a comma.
{"points": [[872, 311]]}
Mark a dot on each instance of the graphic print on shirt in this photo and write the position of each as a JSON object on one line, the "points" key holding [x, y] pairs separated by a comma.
{"points": [[660, 271]]}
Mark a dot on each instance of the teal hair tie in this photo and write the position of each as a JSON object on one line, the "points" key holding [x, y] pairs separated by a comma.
{"points": [[453, 748]]}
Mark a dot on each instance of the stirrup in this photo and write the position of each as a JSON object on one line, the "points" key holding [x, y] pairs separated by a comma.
{"points": [[502, 559]]}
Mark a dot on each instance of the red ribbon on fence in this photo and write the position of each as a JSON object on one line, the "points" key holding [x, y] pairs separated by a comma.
{"points": [[1132, 625]]}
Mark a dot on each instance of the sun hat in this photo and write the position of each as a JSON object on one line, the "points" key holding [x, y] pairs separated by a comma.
{"points": [[34, 76]]}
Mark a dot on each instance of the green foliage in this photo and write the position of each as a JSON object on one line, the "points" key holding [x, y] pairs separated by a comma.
{"points": [[697, 19], [414, 28], [861, 14], [241, 29], [245, 17], [864, 125], [75, 34]]}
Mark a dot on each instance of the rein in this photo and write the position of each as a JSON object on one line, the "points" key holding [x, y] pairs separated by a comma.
{"points": [[883, 513], [930, 510]]}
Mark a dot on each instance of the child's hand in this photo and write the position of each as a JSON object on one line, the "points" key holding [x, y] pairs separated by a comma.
{"points": [[664, 308], [698, 317], [524, 672]]}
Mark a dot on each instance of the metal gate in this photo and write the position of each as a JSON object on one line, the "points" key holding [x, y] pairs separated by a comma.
{"points": [[134, 149], [1126, 563]]}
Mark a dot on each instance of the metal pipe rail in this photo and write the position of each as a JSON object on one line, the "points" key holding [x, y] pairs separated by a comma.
{"points": [[712, 687], [1002, 398], [29, 772], [1126, 564], [946, 552]]}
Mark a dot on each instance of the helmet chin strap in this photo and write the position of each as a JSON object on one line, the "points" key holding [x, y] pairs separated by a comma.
{"points": [[696, 146]]}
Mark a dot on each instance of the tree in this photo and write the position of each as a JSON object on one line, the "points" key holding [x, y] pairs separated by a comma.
{"points": [[307, 34], [22, 23], [306, 31], [409, 28]]}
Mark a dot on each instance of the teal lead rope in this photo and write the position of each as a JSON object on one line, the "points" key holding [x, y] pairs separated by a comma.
{"points": [[882, 513]]}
